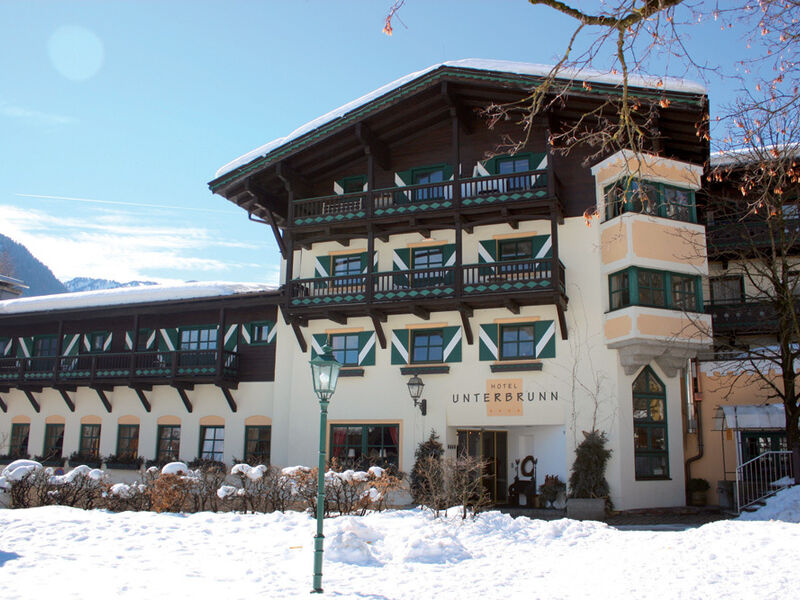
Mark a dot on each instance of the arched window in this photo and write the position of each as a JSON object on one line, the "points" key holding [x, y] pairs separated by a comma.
{"points": [[650, 426]]}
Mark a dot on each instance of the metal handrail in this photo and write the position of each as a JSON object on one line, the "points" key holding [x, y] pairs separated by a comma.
{"points": [[762, 477]]}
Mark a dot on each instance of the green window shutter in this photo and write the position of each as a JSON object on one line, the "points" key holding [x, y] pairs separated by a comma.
{"points": [[544, 334], [487, 346], [168, 339], [6, 344], [322, 266], [490, 164], [542, 246], [24, 347], [402, 179], [451, 340], [107, 344], [230, 340], [340, 185], [366, 348], [487, 251], [364, 261], [318, 340], [449, 255], [400, 346], [128, 340], [149, 336], [401, 258], [70, 344], [447, 172]]}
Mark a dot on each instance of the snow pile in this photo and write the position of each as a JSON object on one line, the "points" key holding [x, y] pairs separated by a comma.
{"points": [[79, 472], [252, 473], [18, 470], [396, 555], [175, 468], [783, 506]]}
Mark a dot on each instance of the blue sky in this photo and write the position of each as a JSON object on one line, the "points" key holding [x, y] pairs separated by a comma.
{"points": [[115, 115]]}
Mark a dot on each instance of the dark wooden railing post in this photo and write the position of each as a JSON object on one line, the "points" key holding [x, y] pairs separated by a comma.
{"points": [[59, 345], [134, 344], [220, 342]]}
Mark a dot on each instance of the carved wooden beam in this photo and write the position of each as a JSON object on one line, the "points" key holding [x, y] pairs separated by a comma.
{"points": [[512, 305], [101, 393], [300, 339], [338, 318], [229, 398], [376, 322], [562, 320], [456, 108], [374, 146], [33, 401], [184, 396], [143, 398], [466, 313], [67, 400], [422, 313]]}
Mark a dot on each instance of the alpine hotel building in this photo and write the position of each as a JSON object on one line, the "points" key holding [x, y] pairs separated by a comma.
{"points": [[411, 253]]}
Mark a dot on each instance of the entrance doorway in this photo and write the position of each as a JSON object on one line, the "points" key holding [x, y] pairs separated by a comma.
{"points": [[492, 448]]}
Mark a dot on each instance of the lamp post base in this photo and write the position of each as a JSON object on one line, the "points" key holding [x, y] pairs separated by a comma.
{"points": [[318, 542]]}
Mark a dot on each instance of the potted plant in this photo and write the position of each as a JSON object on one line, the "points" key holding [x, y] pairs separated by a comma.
{"points": [[589, 492], [698, 491], [90, 460], [551, 488], [124, 461]]}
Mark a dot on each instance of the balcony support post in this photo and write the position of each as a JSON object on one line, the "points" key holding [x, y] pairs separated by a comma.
{"points": [[370, 278], [59, 350], [466, 312], [376, 322], [135, 345], [220, 342], [300, 339]]}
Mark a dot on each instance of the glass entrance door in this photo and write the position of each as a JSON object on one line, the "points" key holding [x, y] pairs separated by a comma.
{"points": [[492, 448]]}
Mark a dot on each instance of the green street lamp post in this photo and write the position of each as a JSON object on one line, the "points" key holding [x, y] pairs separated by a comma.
{"points": [[324, 374]]}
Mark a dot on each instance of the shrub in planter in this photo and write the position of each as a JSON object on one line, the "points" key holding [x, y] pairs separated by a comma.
{"points": [[123, 461], [551, 488], [50, 460], [697, 489], [587, 480], [91, 460]]}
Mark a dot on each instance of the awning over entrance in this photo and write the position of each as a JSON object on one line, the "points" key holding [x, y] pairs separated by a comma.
{"points": [[754, 416]]}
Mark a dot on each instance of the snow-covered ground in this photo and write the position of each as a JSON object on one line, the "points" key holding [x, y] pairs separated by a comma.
{"points": [[57, 552]]}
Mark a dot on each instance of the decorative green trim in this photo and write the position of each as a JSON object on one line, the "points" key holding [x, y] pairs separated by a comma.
{"points": [[419, 369], [634, 292], [507, 368]]}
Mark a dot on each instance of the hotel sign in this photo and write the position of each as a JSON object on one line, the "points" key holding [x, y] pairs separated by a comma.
{"points": [[505, 397]]}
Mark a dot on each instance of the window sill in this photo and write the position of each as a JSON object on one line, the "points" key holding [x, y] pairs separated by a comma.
{"points": [[654, 479], [511, 367], [351, 372], [424, 369]]}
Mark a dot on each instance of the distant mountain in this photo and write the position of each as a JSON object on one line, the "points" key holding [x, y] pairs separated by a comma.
{"points": [[16, 261], [88, 284]]}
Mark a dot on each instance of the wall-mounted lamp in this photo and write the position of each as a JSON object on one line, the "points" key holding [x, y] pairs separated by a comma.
{"points": [[415, 386]]}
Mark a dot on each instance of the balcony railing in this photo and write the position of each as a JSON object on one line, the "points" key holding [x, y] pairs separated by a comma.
{"points": [[501, 277], [476, 191], [748, 236], [743, 317], [182, 364]]}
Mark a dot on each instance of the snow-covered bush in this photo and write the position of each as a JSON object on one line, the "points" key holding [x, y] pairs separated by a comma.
{"points": [[29, 484], [452, 481]]}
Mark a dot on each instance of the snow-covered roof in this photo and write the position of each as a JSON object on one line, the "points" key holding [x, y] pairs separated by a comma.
{"points": [[132, 295], [503, 66], [742, 156]]}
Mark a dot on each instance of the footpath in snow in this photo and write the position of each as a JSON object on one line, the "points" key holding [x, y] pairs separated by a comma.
{"points": [[58, 552]]}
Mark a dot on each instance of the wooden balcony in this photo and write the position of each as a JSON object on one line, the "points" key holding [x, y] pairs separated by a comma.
{"points": [[522, 282], [519, 191], [748, 238], [127, 368], [744, 318]]}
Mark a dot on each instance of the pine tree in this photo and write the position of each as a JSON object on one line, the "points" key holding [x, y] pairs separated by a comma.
{"points": [[428, 454], [588, 476]]}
